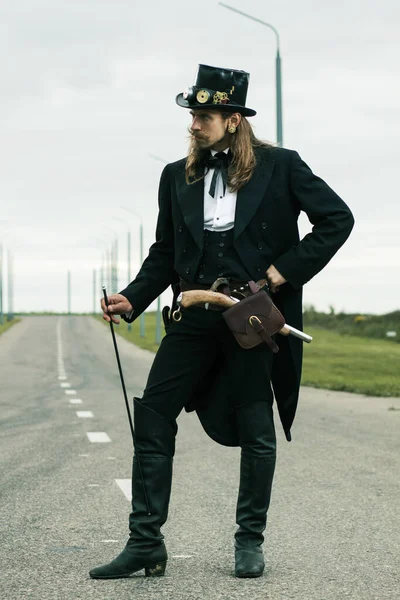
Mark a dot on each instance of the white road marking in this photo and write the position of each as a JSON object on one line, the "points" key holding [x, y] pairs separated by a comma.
{"points": [[83, 455], [110, 541], [93, 485], [70, 392], [84, 414], [126, 487], [111, 457], [76, 401], [65, 385], [182, 556], [98, 437], [61, 377]]}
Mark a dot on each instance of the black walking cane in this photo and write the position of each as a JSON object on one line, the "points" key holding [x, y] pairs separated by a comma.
{"points": [[126, 402]]}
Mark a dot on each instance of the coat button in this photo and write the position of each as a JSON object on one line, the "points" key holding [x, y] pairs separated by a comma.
{"points": [[184, 250], [180, 228], [201, 276], [220, 254], [187, 271], [260, 246], [220, 274], [263, 225], [223, 234], [221, 245]]}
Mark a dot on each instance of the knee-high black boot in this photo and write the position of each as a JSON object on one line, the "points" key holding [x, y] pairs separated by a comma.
{"points": [[151, 489], [256, 475]]}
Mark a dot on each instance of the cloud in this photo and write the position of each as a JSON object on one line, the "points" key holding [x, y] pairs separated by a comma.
{"points": [[87, 94]]}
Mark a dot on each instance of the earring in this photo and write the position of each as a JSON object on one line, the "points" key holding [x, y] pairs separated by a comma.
{"points": [[231, 129]]}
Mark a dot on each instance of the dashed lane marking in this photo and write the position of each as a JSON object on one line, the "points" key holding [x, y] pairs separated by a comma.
{"points": [[70, 392], [65, 385], [76, 401], [126, 486], [84, 414], [98, 437]]}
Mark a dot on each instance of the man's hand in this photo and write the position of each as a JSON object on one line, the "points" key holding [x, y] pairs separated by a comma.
{"points": [[275, 279], [117, 305]]}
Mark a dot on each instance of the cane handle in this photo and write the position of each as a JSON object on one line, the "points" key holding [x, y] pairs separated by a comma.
{"points": [[203, 296]]}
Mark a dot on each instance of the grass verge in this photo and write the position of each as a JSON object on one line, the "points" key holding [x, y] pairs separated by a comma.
{"points": [[332, 361], [7, 324], [351, 363]]}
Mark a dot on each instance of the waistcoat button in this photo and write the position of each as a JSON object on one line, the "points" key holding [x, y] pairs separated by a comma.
{"points": [[187, 270], [220, 254], [201, 276], [223, 234], [260, 246], [222, 245], [264, 225]]}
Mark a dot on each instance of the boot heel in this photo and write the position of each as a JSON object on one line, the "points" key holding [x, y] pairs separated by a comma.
{"points": [[156, 570]]}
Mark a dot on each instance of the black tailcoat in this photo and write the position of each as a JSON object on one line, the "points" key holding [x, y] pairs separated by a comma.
{"points": [[265, 233]]}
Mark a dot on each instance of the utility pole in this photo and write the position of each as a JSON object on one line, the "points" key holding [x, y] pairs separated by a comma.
{"points": [[141, 318], [69, 291], [10, 314], [1, 285], [158, 321], [94, 291], [129, 268]]}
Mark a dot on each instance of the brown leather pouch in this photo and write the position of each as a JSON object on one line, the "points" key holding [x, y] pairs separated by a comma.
{"points": [[254, 320]]}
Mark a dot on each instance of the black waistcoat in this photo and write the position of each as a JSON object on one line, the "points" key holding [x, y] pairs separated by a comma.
{"points": [[220, 259]]}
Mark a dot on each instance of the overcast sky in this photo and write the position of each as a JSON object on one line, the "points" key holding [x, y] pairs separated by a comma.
{"points": [[88, 94]]}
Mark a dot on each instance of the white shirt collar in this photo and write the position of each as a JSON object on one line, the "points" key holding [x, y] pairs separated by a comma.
{"points": [[214, 152]]}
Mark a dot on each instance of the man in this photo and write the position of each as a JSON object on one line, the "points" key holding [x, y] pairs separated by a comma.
{"points": [[229, 209]]}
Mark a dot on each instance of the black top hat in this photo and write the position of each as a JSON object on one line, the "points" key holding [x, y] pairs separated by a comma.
{"points": [[215, 87]]}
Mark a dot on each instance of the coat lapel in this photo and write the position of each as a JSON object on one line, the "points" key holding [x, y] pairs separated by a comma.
{"points": [[250, 195], [191, 198], [191, 202]]}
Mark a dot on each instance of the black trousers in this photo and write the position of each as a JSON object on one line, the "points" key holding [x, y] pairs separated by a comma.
{"points": [[187, 355]]}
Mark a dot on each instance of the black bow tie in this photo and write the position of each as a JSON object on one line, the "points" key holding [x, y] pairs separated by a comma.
{"points": [[220, 163]]}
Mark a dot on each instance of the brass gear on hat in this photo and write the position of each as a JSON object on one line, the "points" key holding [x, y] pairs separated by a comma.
{"points": [[202, 96]]}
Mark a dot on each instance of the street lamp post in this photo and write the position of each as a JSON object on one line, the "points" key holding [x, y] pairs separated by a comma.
{"points": [[94, 290], [278, 72], [141, 318], [69, 291], [158, 317], [1, 285]]}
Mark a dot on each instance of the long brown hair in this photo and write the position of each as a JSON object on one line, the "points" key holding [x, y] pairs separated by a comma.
{"points": [[242, 147]]}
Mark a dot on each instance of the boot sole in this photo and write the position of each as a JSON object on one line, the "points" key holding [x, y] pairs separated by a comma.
{"points": [[154, 570], [248, 575]]}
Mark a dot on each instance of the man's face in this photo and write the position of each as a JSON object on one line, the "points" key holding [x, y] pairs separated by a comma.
{"points": [[208, 128]]}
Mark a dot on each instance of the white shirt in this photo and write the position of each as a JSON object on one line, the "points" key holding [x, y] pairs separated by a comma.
{"points": [[219, 212]]}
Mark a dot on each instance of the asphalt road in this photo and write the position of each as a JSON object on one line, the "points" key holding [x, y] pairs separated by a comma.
{"points": [[333, 529]]}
